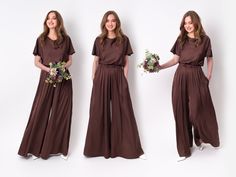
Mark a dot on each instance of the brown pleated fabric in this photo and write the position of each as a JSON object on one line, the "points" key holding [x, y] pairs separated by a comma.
{"points": [[48, 128], [192, 104], [112, 129]]}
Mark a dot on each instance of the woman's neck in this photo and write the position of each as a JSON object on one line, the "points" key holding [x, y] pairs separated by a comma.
{"points": [[111, 35], [191, 35], [52, 34]]}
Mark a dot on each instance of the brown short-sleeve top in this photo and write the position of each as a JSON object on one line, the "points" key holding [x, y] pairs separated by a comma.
{"points": [[111, 52], [192, 54], [50, 52]]}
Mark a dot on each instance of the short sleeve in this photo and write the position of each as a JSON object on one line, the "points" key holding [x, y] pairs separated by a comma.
{"points": [[208, 48], [176, 48], [37, 49], [128, 50], [70, 47], [95, 50]]}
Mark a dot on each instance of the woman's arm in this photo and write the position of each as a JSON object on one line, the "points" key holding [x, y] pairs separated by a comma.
{"points": [[173, 61], [126, 67], [209, 67], [69, 62], [38, 63], [95, 65]]}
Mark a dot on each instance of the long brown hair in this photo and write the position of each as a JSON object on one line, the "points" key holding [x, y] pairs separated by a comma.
{"points": [[118, 32], [198, 29], [60, 29]]}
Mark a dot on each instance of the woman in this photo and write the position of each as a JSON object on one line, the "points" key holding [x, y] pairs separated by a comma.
{"points": [[192, 103], [48, 129], [112, 130]]}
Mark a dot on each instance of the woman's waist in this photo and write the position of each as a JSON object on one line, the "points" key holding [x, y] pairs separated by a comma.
{"points": [[190, 65], [110, 66], [47, 61], [186, 69]]}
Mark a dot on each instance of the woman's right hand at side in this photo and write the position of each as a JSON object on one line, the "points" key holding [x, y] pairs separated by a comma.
{"points": [[95, 65]]}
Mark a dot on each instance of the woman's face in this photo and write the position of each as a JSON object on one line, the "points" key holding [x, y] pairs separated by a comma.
{"points": [[188, 25], [110, 23], [52, 21]]}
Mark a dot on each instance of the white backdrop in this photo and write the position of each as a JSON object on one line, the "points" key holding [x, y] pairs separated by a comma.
{"points": [[150, 24]]}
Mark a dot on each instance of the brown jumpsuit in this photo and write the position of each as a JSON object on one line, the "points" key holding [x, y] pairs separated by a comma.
{"points": [[192, 103], [112, 129], [48, 128]]}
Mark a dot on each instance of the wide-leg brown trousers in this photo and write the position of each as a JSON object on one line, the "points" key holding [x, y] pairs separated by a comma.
{"points": [[193, 109], [48, 128], [112, 129]]}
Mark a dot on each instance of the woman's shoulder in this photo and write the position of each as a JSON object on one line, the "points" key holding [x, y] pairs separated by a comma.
{"points": [[39, 38], [98, 39], [205, 37], [205, 40], [125, 37], [177, 40], [38, 41], [67, 40], [67, 37]]}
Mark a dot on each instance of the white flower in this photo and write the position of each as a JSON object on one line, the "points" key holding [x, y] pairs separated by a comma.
{"points": [[53, 71]]}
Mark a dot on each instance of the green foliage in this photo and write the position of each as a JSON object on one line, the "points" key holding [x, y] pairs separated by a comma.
{"points": [[150, 63], [58, 73]]}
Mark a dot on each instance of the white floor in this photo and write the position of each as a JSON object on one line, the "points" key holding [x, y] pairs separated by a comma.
{"points": [[161, 158]]}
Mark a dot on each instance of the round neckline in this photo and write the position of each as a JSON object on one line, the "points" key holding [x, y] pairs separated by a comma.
{"points": [[51, 39], [111, 38], [191, 39]]}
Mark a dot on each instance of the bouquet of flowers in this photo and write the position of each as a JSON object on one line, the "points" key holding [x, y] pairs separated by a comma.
{"points": [[57, 73], [150, 62]]}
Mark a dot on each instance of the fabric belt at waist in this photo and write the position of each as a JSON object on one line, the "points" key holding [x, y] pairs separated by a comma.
{"points": [[189, 65], [110, 66]]}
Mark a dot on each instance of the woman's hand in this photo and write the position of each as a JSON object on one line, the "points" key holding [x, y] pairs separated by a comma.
{"points": [[95, 65], [209, 77], [69, 62], [209, 67], [126, 75], [48, 69], [126, 66], [173, 61], [159, 66], [38, 63]]}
